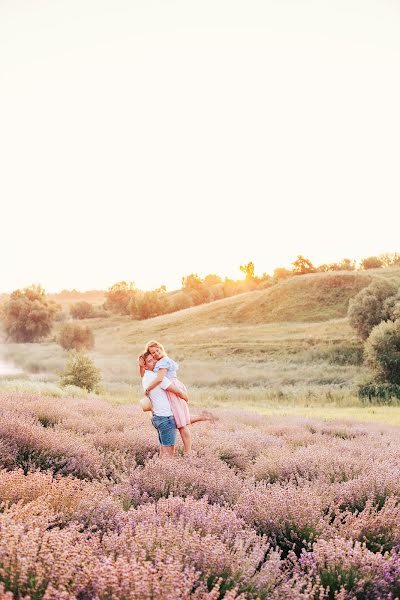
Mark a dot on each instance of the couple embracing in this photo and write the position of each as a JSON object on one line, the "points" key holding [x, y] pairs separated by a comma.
{"points": [[167, 399]]}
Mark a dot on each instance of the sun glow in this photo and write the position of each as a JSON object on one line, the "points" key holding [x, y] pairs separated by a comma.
{"points": [[147, 141]]}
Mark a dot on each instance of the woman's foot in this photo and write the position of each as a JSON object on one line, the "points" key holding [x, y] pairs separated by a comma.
{"points": [[208, 416]]}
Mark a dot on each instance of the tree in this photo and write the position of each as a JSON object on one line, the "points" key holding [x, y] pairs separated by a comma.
{"points": [[76, 337], [281, 273], [82, 310], [145, 305], [28, 315], [347, 264], [302, 266], [390, 259], [195, 286], [344, 265], [80, 371], [119, 296], [248, 271], [372, 262], [369, 307], [382, 352], [212, 279]]}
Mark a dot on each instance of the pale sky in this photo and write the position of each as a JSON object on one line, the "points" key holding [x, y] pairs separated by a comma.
{"points": [[145, 140]]}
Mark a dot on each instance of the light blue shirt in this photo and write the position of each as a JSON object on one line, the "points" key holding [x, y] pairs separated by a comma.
{"points": [[169, 364]]}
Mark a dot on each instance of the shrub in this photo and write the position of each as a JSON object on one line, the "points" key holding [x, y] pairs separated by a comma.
{"points": [[372, 262], [382, 351], [28, 315], [119, 296], [81, 371], [145, 305], [368, 308], [379, 393], [76, 337], [82, 310]]}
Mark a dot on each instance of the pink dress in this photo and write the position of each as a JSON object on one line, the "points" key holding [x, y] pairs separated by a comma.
{"points": [[179, 407]]}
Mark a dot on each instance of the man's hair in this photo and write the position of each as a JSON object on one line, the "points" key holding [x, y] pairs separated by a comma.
{"points": [[145, 354]]}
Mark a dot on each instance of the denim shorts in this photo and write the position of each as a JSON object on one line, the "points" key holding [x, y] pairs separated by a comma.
{"points": [[166, 429]]}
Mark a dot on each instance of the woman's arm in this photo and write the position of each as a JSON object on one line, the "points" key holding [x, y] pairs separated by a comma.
{"points": [[178, 392], [160, 376]]}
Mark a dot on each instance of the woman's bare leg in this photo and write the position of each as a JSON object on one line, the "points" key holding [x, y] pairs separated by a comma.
{"points": [[203, 416], [186, 439]]}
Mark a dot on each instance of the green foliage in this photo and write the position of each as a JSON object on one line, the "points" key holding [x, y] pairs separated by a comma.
{"points": [[382, 352], [81, 372], [344, 265], [82, 310], [145, 305], [76, 337], [281, 273], [379, 393], [302, 266], [119, 296], [194, 286], [369, 307], [28, 315], [371, 262]]}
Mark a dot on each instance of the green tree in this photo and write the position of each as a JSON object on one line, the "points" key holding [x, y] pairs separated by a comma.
{"points": [[81, 371], [145, 305], [75, 337], [119, 296], [371, 262], [302, 266], [28, 315], [248, 271], [382, 352], [370, 306], [195, 286]]}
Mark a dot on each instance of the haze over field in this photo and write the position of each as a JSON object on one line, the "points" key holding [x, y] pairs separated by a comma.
{"points": [[146, 140]]}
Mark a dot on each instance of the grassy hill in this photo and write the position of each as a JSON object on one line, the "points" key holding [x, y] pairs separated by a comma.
{"points": [[293, 338]]}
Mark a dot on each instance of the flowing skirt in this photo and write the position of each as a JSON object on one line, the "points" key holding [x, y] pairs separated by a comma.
{"points": [[179, 407]]}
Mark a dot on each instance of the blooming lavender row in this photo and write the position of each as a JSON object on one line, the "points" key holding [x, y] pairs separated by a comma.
{"points": [[265, 508]]}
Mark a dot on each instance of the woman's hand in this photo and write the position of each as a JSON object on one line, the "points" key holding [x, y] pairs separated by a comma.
{"points": [[141, 362]]}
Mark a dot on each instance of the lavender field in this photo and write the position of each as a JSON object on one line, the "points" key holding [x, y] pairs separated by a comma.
{"points": [[267, 507]]}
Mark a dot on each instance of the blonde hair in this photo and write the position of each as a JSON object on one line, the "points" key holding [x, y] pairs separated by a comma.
{"points": [[156, 344]]}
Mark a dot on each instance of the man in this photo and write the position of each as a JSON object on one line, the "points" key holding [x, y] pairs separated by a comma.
{"points": [[162, 419]]}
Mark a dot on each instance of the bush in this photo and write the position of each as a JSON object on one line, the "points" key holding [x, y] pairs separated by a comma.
{"points": [[76, 337], [119, 296], [379, 393], [372, 262], [382, 351], [81, 372], [145, 305], [82, 310], [369, 307], [28, 315]]}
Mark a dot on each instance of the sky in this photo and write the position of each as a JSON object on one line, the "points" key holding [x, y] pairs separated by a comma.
{"points": [[146, 140]]}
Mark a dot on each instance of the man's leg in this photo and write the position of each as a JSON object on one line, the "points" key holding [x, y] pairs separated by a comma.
{"points": [[167, 451]]}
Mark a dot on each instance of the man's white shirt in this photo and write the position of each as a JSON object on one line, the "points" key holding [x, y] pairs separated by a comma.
{"points": [[158, 396]]}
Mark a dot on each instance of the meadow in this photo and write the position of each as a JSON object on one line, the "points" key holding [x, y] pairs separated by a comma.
{"points": [[267, 506], [293, 493]]}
